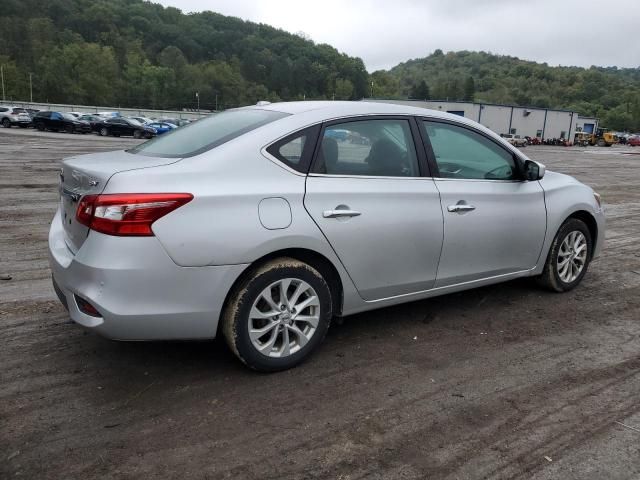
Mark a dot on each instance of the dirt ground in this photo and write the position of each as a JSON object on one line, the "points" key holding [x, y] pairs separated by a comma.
{"points": [[506, 381]]}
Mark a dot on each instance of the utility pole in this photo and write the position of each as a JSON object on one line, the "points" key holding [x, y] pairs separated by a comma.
{"points": [[371, 88], [2, 75], [216, 102], [30, 88], [198, 98]]}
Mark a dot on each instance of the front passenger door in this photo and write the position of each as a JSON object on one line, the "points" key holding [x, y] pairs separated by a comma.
{"points": [[494, 221]]}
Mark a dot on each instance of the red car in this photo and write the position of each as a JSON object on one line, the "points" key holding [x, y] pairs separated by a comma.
{"points": [[634, 141]]}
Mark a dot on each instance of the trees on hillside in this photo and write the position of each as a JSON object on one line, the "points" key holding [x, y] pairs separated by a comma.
{"points": [[135, 53], [610, 93]]}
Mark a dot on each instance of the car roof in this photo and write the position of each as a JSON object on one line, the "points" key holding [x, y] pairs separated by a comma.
{"points": [[336, 109]]}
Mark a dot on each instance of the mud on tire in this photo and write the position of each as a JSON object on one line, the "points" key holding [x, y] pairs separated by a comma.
{"points": [[236, 321]]}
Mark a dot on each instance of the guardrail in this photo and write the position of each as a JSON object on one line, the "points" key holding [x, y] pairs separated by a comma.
{"points": [[126, 112]]}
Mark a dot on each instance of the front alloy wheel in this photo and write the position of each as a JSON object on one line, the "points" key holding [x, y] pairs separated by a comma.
{"points": [[568, 258], [572, 256], [277, 315]]}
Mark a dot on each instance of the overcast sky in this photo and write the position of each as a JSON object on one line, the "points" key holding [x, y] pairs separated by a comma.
{"points": [[386, 32]]}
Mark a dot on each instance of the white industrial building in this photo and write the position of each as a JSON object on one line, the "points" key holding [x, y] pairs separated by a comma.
{"points": [[523, 121]]}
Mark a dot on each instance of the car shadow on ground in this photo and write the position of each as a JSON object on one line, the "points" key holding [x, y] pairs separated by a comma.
{"points": [[501, 308]]}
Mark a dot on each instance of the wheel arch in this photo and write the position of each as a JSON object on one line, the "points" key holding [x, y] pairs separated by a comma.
{"points": [[591, 223], [318, 261]]}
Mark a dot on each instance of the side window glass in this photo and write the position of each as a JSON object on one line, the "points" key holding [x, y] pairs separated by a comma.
{"points": [[56, 116], [296, 150], [380, 147], [464, 154]]}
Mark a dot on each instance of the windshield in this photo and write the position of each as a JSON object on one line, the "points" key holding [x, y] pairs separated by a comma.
{"points": [[207, 133], [68, 116], [135, 122]]}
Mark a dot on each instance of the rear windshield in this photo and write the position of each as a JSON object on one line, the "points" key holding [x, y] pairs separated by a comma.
{"points": [[207, 133], [19, 110]]}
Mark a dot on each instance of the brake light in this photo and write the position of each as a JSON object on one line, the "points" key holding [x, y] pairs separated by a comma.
{"points": [[127, 214]]}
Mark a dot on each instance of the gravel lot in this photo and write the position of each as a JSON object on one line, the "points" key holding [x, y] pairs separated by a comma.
{"points": [[506, 381]]}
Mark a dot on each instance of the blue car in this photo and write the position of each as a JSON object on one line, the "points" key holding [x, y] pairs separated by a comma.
{"points": [[162, 127]]}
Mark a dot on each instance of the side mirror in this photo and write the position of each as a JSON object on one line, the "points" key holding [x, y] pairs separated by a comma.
{"points": [[533, 170]]}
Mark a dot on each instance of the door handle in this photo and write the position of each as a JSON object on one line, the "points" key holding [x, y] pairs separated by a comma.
{"points": [[461, 207], [340, 213]]}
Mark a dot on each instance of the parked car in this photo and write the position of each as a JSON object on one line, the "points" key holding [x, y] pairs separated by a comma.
{"points": [[340, 134], [515, 140], [143, 120], [239, 225], [31, 112], [161, 127], [60, 121], [109, 114], [76, 114], [178, 122], [10, 116], [634, 141], [119, 126], [95, 121]]}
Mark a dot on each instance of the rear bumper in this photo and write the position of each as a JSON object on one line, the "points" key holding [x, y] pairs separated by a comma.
{"points": [[140, 292]]}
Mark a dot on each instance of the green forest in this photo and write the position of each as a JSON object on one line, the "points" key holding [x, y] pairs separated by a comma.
{"points": [[610, 93], [132, 53]]}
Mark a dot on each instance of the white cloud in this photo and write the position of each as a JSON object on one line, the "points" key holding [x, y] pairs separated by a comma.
{"points": [[384, 33]]}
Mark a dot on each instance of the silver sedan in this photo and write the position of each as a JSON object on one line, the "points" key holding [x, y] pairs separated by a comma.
{"points": [[263, 223]]}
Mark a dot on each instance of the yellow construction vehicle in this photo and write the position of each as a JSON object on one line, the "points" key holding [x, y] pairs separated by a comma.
{"points": [[582, 138], [603, 138]]}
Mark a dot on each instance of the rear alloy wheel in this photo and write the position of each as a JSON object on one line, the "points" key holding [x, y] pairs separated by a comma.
{"points": [[104, 132], [568, 258], [6, 123], [278, 315]]}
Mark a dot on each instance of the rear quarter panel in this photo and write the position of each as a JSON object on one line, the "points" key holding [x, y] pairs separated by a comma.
{"points": [[221, 225]]}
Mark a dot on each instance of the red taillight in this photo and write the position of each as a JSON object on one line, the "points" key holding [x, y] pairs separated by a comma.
{"points": [[127, 214]]}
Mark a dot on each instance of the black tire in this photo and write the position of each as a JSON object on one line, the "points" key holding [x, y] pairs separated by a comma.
{"points": [[147, 135], [40, 126], [601, 143], [550, 277], [6, 123], [104, 132], [70, 129], [137, 134], [235, 318]]}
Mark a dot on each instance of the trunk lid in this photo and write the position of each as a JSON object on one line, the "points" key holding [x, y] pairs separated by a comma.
{"points": [[88, 175]]}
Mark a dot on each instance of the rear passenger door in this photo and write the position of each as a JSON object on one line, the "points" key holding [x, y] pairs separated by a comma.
{"points": [[368, 194], [55, 121], [494, 220]]}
